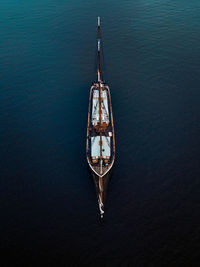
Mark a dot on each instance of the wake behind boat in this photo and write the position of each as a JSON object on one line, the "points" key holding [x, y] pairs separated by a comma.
{"points": [[100, 144]]}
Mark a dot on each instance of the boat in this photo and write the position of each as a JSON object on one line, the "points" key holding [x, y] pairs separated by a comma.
{"points": [[100, 142]]}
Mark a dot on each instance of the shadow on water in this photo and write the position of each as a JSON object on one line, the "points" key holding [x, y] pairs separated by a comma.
{"points": [[106, 180]]}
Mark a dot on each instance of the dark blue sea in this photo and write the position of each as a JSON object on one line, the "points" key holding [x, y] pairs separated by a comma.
{"points": [[48, 206]]}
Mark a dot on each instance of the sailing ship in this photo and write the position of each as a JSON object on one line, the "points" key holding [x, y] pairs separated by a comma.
{"points": [[100, 144]]}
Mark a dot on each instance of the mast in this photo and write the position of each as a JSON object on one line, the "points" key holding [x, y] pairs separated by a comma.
{"points": [[99, 52], [99, 83], [100, 122]]}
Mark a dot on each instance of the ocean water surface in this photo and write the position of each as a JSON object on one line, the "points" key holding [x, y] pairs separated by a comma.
{"points": [[151, 61]]}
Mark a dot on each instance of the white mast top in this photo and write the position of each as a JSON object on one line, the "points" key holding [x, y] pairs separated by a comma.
{"points": [[98, 21]]}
